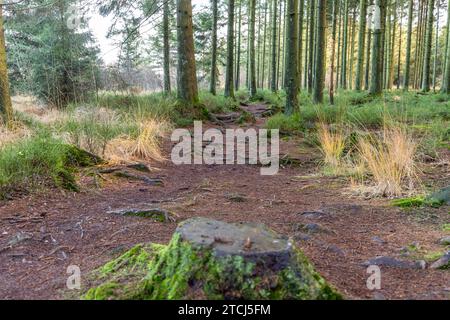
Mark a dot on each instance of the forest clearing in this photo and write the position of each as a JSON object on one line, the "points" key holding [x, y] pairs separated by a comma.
{"points": [[233, 150]]}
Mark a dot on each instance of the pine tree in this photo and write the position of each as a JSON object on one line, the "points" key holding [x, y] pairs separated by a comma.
{"points": [[446, 82], [291, 67], [229, 89], [312, 10], [186, 76], [273, 63], [408, 46], [213, 79], [361, 43], [320, 51], [252, 49], [6, 111], [333, 51], [166, 35], [237, 80], [428, 44], [345, 47], [376, 84]]}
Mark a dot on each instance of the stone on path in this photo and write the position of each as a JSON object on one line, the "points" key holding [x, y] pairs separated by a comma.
{"points": [[442, 263], [395, 263]]}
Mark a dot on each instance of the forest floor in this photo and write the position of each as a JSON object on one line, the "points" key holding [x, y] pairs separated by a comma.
{"points": [[337, 231]]}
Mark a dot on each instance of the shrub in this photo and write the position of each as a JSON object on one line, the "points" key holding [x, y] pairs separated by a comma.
{"points": [[286, 124]]}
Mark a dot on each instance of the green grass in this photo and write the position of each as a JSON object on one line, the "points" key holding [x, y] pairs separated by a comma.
{"points": [[39, 161]]}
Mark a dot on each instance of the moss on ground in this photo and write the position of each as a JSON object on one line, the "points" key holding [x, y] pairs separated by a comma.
{"points": [[182, 271]]}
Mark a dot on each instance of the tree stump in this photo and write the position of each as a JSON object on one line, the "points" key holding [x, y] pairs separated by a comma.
{"points": [[209, 259]]}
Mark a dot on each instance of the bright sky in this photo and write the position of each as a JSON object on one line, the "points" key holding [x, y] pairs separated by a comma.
{"points": [[109, 50]]}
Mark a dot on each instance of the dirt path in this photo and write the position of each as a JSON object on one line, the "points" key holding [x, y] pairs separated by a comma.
{"points": [[76, 229]]}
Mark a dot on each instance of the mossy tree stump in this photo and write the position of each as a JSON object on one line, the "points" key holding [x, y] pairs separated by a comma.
{"points": [[208, 259]]}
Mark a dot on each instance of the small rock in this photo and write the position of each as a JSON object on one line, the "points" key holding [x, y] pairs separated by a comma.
{"points": [[156, 214], [379, 241], [442, 263], [19, 238], [335, 249], [440, 197], [313, 214], [299, 236], [236, 197], [311, 228], [394, 263], [445, 241]]}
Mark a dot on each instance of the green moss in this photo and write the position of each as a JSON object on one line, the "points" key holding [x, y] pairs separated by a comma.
{"points": [[181, 271], [433, 256], [416, 202]]}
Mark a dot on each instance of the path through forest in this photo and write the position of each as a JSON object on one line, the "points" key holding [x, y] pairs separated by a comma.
{"points": [[42, 234]]}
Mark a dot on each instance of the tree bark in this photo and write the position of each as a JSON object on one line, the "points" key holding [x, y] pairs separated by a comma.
{"points": [[300, 42], [229, 87], [273, 75], [237, 81], [213, 80], [361, 44], [253, 90], [6, 111], [291, 66], [428, 44], [167, 86], [376, 85], [446, 82], [320, 52], [311, 44], [408, 47], [333, 51], [186, 77]]}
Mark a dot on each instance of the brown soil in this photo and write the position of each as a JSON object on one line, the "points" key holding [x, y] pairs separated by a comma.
{"points": [[75, 228]]}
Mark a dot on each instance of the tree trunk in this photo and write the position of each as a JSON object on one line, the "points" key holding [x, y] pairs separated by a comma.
{"points": [[446, 80], [376, 85], [361, 43], [291, 66], [263, 67], [6, 111], [274, 47], [390, 80], [345, 48], [229, 88], [167, 86], [408, 47], [320, 51], [428, 44], [213, 83], [237, 81], [399, 60], [187, 77], [311, 44], [436, 47], [333, 51], [252, 49], [300, 42]]}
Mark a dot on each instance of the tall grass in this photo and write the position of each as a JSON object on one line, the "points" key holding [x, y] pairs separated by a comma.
{"points": [[390, 160], [332, 146], [35, 161]]}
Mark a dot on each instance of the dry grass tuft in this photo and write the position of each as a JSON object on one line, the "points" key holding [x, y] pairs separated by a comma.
{"points": [[332, 146], [389, 158], [145, 146]]}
